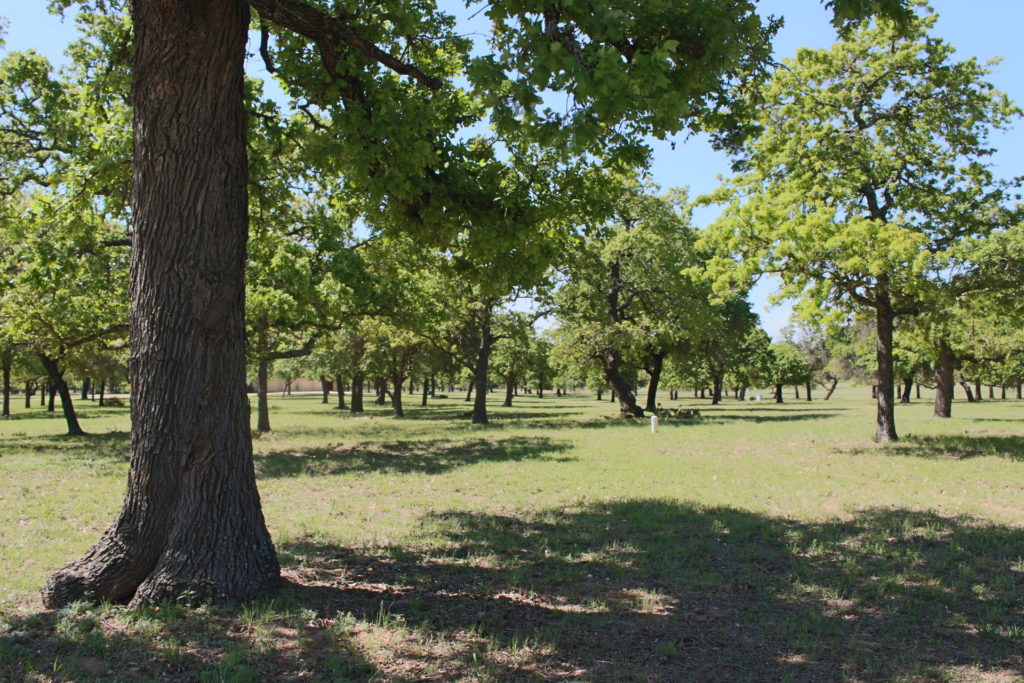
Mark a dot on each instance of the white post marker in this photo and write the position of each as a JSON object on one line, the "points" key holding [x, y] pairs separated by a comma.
{"points": [[654, 424]]}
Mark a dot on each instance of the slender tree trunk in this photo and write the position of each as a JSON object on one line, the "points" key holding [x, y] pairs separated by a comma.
{"points": [[52, 393], [339, 382], [7, 386], [600, 395], [977, 390], [1020, 391], [191, 526], [967, 389], [469, 393], [716, 388], [807, 387], [832, 388], [61, 387], [540, 386], [86, 383], [44, 391], [796, 391], [483, 358], [917, 391], [325, 389], [509, 391], [991, 392], [433, 387], [778, 394], [262, 406], [356, 402], [1002, 393], [426, 391], [103, 390], [874, 392], [29, 390], [885, 430], [652, 388]]}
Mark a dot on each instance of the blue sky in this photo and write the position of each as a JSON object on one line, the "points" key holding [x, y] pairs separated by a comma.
{"points": [[980, 28]]}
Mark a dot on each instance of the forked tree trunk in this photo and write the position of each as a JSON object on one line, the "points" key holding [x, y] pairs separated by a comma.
{"points": [[831, 389], [191, 527], [61, 387], [396, 396], [885, 428], [908, 387], [943, 381]]}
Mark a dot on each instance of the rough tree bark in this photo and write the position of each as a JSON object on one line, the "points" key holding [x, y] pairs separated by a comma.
{"points": [[191, 527], [943, 381]]}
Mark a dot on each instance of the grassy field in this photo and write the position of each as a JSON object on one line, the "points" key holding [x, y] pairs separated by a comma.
{"points": [[759, 542]]}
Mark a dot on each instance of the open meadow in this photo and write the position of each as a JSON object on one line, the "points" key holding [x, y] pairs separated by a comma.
{"points": [[757, 542]]}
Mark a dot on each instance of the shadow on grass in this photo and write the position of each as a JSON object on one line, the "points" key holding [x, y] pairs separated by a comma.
{"points": [[633, 590], [650, 590], [959, 447], [105, 447], [403, 457]]}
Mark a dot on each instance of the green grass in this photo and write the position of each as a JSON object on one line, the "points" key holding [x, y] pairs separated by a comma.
{"points": [[760, 542]]}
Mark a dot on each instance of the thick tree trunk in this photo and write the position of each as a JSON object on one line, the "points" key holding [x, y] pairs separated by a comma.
{"points": [[356, 402], [977, 390], [652, 387], [61, 387], [620, 388], [29, 390], [943, 381], [716, 388], [86, 382], [908, 388], [778, 393], [1020, 391], [191, 527], [262, 406], [600, 395], [1002, 393], [509, 391], [382, 391], [991, 392], [807, 386], [340, 384], [325, 390], [51, 389], [483, 358], [885, 429]]}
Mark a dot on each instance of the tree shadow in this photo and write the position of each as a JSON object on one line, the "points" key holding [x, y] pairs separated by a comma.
{"points": [[959, 446], [171, 642], [108, 446], [627, 590], [433, 456], [653, 590]]}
